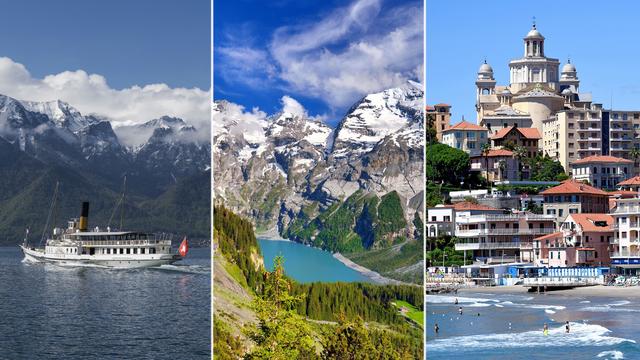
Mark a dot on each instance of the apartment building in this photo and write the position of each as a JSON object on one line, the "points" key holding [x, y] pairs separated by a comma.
{"points": [[573, 197], [497, 237], [603, 171], [466, 137], [496, 165], [440, 221], [440, 116], [626, 217]]}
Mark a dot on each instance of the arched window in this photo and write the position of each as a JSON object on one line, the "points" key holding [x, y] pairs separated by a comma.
{"points": [[485, 91]]}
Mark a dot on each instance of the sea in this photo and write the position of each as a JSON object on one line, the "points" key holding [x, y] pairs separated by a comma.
{"points": [[53, 312], [307, 264], [510, 326]]}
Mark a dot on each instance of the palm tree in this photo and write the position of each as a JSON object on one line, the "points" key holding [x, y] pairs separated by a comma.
{"points": [[502, 165], [486, 147], [520, 152], [635, 154]]}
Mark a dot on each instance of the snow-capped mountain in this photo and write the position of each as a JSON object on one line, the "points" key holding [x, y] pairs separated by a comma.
{"points": [[286, 170], [57, 133]]}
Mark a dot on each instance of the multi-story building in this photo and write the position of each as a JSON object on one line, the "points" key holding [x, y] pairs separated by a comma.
{"points": [[626, 217], [498, 237], [588, 240], [572, 197], [537, 89], [527, 138], [496, 165], [465, 136], [440, 221], [603, 171], [573, 134], [632, 184], [440, 118]]}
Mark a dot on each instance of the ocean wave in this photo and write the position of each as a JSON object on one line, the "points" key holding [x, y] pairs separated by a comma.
{"points": [[612, 354], [448, 299], [549, 311], [581, 335]]}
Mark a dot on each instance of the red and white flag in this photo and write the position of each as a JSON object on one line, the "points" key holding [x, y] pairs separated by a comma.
{"points": [[184, 247]]}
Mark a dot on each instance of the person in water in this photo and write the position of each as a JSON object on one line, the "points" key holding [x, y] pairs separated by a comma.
{"points": [[456, 301], [545, 329], [566, 327], [460, 310], [436, 328]]}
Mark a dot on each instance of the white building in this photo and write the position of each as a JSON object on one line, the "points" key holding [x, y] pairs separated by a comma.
{"points": [[627, 235], [466, 137], [440, 220], [602, 171]]}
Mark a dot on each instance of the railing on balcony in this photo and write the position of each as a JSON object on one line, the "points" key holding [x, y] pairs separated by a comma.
{"points": [[498, 232], [623, 209], [488, 245], [627, 253], [503, 217]]}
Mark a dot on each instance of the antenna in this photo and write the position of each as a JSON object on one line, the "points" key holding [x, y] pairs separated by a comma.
{"points": [[534, 22], [124, 192], [51, 208]]}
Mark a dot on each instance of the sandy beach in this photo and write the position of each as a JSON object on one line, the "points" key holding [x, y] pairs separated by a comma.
{"points": [[271, 234], [595, 291]]}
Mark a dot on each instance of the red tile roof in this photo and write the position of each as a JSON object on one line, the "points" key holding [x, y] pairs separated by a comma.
{"points": [[467, 205], [624, 194], [496, 153], [587, 222], [463, 125], [549, 236], [442, 104], [430, 108], [573, 187], [527, 133], [633, 181], [602, 159]]}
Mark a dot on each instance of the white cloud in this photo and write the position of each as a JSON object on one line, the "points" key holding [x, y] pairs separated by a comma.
{"points": [[351, 51], [90, 93], [248, 125]]}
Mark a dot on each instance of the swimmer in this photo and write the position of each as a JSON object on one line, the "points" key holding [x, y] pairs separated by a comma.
{"points": [[545, 329], [436, 328], [456, 301], [460, 310], [478, 314], [566, 327]]}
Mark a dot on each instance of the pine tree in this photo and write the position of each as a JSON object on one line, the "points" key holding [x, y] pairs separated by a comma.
{"points": [[280, 333]]}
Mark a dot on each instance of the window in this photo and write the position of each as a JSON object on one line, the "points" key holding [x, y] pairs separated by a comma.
{"points": [[458, 134], [573, 211], [560, 212], [433, 218], [447, 218], [624, 116], [571, 126], [601, 239], [128, 251]]}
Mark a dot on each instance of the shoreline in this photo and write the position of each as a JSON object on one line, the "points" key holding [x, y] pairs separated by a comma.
{"points": [[368, 273], [273, 235], [586, 291]]}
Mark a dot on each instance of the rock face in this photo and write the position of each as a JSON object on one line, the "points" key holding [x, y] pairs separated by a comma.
{"points": [[356, 187], [56, 133]]}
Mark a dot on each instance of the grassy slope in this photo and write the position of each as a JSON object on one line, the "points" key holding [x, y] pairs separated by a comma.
{"points": [[413, 313]]}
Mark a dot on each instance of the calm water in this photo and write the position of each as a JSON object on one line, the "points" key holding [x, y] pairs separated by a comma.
{"points": [[48, 311], [510, 327], [306, 264]]}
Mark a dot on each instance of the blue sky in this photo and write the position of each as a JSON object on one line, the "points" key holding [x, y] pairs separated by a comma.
{"points": [[131, 61], [324, 54], [129, 42], [600, 37]]}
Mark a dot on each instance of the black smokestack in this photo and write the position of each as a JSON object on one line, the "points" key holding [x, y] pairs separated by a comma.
{"points": [[84, 216]]}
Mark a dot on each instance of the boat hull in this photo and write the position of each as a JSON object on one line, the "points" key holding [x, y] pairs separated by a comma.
{"points": [[118, 262]]}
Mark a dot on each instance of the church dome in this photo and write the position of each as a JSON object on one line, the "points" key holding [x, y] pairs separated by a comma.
{"points": [[485, 68], [568, 67], [534, 34], [567, 91]]}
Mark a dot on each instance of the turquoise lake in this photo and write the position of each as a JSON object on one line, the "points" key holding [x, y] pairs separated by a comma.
{"points": [[306, 264]]}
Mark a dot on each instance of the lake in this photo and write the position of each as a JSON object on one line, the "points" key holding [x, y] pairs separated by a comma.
{"points": [[49, 311], [510, 327], [307, 264]]}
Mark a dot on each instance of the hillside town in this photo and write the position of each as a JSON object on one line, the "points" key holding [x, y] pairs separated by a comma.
{"points": [[545, 182]]}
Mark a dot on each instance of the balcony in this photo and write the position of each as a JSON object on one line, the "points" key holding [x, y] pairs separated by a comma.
{"points": [[625, 254], [588, 129], [589, 139], [503, 232], [488, 245], [591, 149], [622, 209]]}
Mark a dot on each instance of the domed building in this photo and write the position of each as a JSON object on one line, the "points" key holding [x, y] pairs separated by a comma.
{"points": [[539, 95]]}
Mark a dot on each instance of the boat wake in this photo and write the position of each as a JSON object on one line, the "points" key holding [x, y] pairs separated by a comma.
{"points": [[580, 335], [190, 269], [611, 354]]}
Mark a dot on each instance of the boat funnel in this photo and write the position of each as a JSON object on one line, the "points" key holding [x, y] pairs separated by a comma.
{"points": [[84, 217]]}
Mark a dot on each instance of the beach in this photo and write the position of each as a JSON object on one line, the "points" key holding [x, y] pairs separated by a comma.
{"points": [[587, 291], [374, 276]]}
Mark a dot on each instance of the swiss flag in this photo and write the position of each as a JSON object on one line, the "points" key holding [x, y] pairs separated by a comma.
{"points": [[184, 247]]}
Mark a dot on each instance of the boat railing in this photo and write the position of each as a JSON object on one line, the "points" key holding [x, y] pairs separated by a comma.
{"points": [[123, 242]]}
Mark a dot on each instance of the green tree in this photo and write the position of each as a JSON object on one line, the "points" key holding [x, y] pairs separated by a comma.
{"points": [[520, 153], [635, 155], [446, 164], [485, 153], [546, 169], [280, 332]]}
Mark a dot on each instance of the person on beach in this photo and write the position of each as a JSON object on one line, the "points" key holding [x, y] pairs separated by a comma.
{"points": [[456, 301], [545, 329], [566, 327], [460, 310], [436, 328]]}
